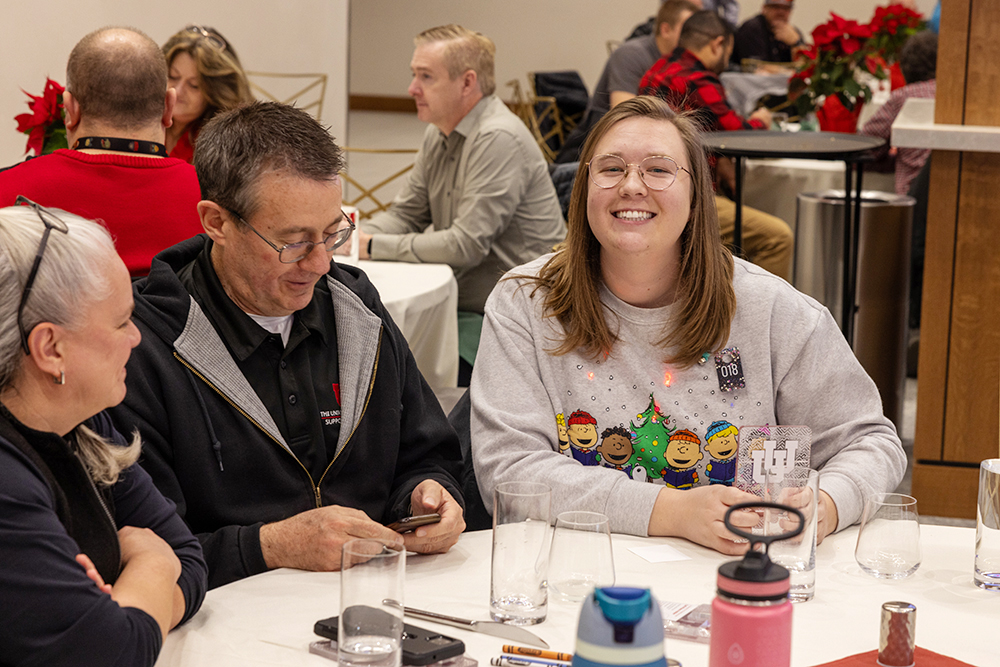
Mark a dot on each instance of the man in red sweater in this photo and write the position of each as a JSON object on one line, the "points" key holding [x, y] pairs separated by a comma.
{"points": [[688, 79], [116, 171]]}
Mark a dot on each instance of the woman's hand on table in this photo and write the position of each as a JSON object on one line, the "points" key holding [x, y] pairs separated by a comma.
{"points": [[427, 498], [826, 516], [697, 515]]}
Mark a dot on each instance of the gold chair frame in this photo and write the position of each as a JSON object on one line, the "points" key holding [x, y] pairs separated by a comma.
{"points": [[369, 193], [566, 121], [534, 111], [312, 81]]}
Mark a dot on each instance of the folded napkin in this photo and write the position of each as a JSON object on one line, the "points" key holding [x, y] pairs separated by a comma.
{"points": [[922, 657]]}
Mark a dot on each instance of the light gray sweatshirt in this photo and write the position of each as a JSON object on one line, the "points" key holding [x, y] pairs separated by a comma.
{"points": [[536, 416]]}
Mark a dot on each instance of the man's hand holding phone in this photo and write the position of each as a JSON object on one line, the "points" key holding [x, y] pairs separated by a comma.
{"points": [[431, 498]]}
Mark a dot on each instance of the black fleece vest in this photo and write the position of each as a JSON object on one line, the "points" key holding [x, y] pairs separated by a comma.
{"points": [[86, 518]]}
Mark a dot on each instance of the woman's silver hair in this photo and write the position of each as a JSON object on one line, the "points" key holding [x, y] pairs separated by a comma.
{"points": [[70, 278]]}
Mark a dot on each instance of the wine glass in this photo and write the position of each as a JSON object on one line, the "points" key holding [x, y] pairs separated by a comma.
{"points": [[889, 539]]}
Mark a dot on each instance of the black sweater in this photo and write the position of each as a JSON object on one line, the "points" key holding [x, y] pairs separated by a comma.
{"points": [[212, 448]]}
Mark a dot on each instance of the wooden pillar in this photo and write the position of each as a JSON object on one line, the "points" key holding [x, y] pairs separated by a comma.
{"points": [[958, 404]]}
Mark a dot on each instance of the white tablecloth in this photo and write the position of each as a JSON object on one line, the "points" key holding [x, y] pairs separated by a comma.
{"points": [[772, 185], [268, 619], [423, 302]]}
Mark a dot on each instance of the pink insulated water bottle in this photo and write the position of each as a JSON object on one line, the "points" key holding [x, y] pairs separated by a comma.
{"points": [[751, 615]]}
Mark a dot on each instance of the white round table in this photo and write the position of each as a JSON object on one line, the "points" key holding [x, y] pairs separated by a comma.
{"points": [[423, 302], [268, 619]]}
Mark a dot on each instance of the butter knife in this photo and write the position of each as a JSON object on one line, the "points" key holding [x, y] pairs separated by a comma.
{"points": [[510, 632]]}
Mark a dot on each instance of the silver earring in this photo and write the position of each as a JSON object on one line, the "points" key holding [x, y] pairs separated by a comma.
{"points": [[61, 379]]}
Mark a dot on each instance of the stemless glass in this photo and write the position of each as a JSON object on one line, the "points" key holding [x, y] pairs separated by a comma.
{"points": [[520, 562], [581, 558], [370, 631], [889, 539]]}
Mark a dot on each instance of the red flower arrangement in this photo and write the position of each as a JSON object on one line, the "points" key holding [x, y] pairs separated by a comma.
{"points": [[842, 49], [44, 125], [891, 27]]}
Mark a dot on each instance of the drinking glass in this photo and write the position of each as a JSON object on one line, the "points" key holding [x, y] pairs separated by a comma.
{"points": [[370, 631], [799, 488], [518, 586], [987, 574], [581, 557], [889, 540]]}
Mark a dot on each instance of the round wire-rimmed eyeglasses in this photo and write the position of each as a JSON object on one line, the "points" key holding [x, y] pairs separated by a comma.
{"points": [[658, 172]]}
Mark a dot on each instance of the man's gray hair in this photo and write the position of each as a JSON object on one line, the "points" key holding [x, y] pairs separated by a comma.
{"points": [[71, 278], [239, 146]]}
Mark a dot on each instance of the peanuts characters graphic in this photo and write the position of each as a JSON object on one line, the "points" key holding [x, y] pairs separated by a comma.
{"points": [[563, 437], [682, 455], [721, 443], [581, 430], [616, 449]]}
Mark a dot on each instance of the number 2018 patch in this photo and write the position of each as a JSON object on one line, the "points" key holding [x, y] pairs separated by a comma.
{"points": [[729, 369]]}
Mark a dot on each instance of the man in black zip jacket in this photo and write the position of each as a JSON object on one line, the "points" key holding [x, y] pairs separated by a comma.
{"points": [[279, 405]]}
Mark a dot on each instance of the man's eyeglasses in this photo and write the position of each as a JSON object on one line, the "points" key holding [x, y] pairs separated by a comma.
{"points": [[207, 35], [294, 252], [51, 221], [658, 172]]}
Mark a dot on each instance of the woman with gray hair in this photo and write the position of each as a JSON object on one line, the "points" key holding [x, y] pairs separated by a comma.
{"points": [[96, 564]]}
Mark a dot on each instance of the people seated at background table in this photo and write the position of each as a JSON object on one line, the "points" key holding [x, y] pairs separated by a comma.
{"points": [[97, 566], [918, 60], [116, 169], [727, 9], [479, 181], [689, 79], [624, 70], [768, 36], [208, 77], [280, 407], [621, 335]]}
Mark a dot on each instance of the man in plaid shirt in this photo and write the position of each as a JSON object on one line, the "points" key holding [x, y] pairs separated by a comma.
{"points": [[688, 79]]}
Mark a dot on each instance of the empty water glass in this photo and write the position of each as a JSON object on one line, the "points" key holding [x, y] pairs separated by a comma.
{"points": [[581, 558], [889, 539]]}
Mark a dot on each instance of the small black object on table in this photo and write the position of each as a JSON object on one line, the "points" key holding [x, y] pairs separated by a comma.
{"points": [[853, 149]]}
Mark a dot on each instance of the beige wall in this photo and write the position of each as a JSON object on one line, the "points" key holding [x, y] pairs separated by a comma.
{"points": [[531, 35], [285, 36]]}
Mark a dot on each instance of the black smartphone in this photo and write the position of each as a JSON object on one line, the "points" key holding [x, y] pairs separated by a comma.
{"points": [[420, 646], [410, 523]]}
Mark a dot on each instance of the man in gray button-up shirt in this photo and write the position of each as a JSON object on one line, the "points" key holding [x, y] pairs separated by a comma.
{"points": [[479, 179]]}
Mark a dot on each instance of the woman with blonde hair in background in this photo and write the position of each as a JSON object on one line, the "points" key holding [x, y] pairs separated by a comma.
{"points": [[96, 564], [208, 77]]}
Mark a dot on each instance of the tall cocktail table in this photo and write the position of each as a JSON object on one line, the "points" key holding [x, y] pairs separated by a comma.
{"points": [[853, 149]]}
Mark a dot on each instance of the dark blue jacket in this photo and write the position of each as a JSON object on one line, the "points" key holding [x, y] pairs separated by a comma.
{"points": [[50, 613]]}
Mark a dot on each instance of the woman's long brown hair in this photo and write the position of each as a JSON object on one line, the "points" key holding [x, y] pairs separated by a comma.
{"points": [[571, 279]]}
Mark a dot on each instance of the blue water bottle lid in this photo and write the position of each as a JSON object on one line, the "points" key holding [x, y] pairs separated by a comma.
{"points": [[622, 604]]}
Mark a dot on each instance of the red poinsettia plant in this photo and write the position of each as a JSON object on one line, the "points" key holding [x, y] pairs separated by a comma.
{"points": [[829, 67], [44, 125], [891, 27]]}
